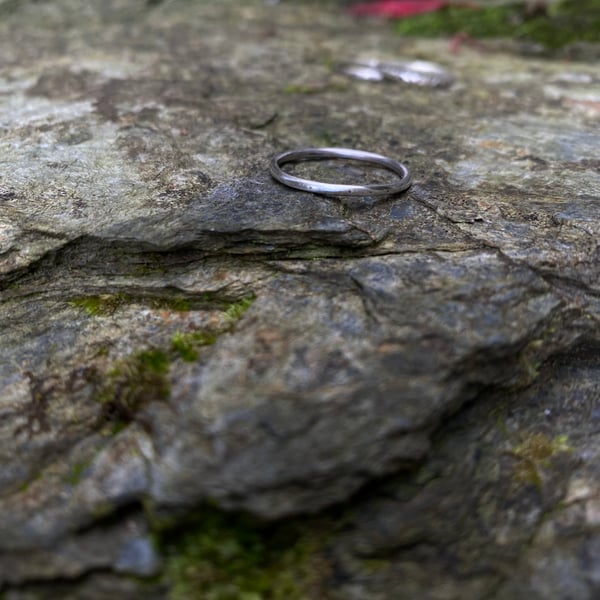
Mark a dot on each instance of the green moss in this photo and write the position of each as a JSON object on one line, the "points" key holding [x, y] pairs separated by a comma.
{"points": [[228, 557], [156, 361], [184, 345], [567, 21], [133, 382], [103, 351], [187, 345], [236, 310], [108, 304], [176, 304], [143, 377], [96, 305]]}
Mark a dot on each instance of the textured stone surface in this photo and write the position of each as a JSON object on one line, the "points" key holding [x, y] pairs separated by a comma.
{"points": [[506, 507], [178, 328]]}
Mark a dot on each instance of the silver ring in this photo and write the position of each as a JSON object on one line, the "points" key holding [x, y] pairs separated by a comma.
{"points": [[337, 189], [418, 72]]}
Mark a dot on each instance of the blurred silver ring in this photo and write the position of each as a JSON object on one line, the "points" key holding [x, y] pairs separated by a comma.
{"points": [[337, 189]]}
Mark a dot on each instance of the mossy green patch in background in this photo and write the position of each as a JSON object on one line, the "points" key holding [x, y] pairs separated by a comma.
{"points": [[564, 22], [228, 557]]}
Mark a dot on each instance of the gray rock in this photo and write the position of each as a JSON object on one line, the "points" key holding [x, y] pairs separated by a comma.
{"points": [[138, 557], [179, 330], [506, 506]]}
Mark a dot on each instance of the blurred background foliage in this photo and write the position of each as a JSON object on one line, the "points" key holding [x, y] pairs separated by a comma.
{"points": [[548, 24], [552, 24]]}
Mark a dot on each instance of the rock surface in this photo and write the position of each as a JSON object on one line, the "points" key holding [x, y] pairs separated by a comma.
{"points": [[180, 330]]}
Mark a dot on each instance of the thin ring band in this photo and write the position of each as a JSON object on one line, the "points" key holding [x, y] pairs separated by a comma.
{"points": [[336, 189]]}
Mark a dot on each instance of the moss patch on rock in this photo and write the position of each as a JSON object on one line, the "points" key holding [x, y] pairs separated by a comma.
{"points": [[220, 556], [236, 310], [108, 304], [143, 377], [187, 345], [561, 24], [132, 382]]}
